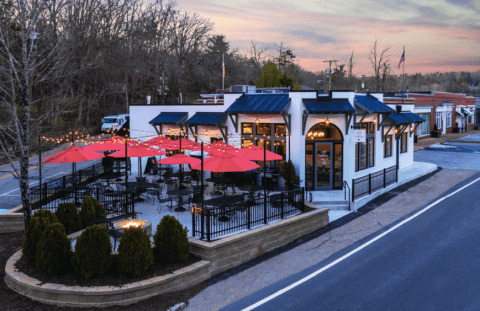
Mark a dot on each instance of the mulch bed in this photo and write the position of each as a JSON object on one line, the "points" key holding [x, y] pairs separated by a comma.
{"points": [[111, 278], [10, 243]]}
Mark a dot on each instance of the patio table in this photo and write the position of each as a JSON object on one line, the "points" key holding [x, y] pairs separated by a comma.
{"points": [[223, 203], [218, 180], [251, 190], [141, 185], [180, 194]]}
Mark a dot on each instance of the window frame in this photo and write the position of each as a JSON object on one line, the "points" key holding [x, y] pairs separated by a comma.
{"points": [[275, 129], [449, 119], [256, 129], [437, 116], [359, 149], [243, 133], [387, 152], [404, 143]]}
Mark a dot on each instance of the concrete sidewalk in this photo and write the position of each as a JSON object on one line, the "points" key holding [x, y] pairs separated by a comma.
{"points": [[310, 250], [427, 142]]}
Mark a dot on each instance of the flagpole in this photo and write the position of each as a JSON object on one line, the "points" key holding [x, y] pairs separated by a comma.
{"points": [[403, 75], [223, 71]]}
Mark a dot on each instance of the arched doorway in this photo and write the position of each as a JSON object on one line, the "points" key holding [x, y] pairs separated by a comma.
{"points": [[324, 157]]}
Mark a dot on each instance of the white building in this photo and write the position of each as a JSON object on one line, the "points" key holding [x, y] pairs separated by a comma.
{"points": [[322, 128]]}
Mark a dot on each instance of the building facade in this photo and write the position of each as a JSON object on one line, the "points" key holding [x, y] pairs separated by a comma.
{"points": [[330, 138]]}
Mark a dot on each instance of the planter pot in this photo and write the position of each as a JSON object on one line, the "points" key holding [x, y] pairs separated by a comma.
{"points": [[455, 130], [436, 134]]}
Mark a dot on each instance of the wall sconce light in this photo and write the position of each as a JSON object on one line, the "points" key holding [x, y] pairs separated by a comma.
{"points": [[375, 120], [411, 128], [256, 120], [396, 131], [327, 122]]}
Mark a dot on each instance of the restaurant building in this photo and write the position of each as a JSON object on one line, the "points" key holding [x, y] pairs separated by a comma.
{"points": [[331, 138]]}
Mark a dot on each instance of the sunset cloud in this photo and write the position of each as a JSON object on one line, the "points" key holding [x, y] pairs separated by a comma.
{"points": [[437, 35]]}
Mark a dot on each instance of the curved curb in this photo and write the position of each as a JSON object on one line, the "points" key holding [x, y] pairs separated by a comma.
{"points": [[103, 296]]}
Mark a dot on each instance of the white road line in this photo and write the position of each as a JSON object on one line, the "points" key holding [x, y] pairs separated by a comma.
{"points": [[286, 289], [1, 195]]}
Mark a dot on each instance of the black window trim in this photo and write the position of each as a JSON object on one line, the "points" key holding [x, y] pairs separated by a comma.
{"points": [[253, 128]]}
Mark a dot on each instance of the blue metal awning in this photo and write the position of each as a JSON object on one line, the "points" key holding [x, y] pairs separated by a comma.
{"points": [[207, 118], [328, 106], [370, 104], [399, 119], [413, 117], [170, 118], [260, 104]]}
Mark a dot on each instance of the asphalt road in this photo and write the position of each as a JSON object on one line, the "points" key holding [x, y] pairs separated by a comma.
{"points": [[9, 185], [428, 263]]}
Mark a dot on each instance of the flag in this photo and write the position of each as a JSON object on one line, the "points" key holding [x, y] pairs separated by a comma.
{"points": [[402, 59]]}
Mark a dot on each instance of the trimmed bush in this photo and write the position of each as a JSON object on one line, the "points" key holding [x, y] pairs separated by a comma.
{"points": [[288, 172], [135, 254], [54, 250], [39, 222], [67, 214], [171, 242], [90, 207], [93, 250]]}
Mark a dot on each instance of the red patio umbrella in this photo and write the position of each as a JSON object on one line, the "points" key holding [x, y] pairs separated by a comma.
{"points": [[255, 153], [219, 145], [137, 151], [181, 144], [109, 145], [158, 141], [222, 161], [72, 155]]}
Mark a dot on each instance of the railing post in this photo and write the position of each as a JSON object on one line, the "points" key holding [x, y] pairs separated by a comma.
{"points": [[97, 194], [353, 190], [369, 183], [384, 178], [133, 205], [249, 209], [45, 191], [208, 225], [202, 224], [396, 174], [281, 204], [265, 207], [193, 224], [303, 198]]}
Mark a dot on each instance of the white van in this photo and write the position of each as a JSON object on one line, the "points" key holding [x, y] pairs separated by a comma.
{"points": [[114, 122]]}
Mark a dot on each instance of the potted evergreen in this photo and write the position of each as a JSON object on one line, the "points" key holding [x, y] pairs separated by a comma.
{"points": [[435, 132], [455, 129]]}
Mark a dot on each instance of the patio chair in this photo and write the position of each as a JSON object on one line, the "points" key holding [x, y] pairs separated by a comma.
{"points": [[187, 181], [155, 192]]}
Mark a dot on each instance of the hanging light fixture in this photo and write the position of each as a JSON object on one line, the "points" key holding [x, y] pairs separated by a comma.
{"points": [[256, 120], [327, 122]]}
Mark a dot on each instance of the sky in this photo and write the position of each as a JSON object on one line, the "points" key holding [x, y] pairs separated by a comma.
{"points": [[438, 35]]}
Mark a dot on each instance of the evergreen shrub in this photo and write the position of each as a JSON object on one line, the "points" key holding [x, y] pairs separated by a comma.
{"points": [[171, 242], [93, 250], [54, 250], [90, 207], [39, 222], [67, 214], [135, 254], [288, 172]]}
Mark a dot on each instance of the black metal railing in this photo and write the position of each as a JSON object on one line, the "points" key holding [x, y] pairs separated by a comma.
{"points": [[207, 223], [372, 182], [89, 174]]}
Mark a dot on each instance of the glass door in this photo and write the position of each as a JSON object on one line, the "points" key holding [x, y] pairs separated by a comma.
{"points": [[324, 165]]}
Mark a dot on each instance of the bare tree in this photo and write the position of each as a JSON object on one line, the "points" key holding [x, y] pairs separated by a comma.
{"points": [[379, 60]]}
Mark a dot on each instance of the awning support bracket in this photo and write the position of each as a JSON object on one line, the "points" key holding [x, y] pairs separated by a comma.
{"points": [[288, 120], [223, 130], [414, 129], [386, 134], [304, 121], [234, 119], [348, 120]]}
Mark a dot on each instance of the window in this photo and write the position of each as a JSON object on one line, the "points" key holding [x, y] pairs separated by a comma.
{"points": [[247, 128], [449, 119], [470, 119], [365, 153], [371, 127], [438, 120], [371, 152], [387, 148], [264, 129], [215, 139], [280, 129], [247, 142], [424, 127], [403, 142]]}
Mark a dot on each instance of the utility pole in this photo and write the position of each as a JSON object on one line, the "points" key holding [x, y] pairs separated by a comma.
{"points": [[330, 71]]}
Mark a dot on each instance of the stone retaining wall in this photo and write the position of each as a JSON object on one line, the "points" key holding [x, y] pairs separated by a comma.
{"points": [[12, 221], [232, 251], [217, 256], [103, 296]]}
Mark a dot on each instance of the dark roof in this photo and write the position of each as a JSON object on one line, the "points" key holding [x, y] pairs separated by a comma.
{"points": [[399, 119], [371, 104], [413, 117], [207, 118], [328, 105], [259, 103], [170, 118]]}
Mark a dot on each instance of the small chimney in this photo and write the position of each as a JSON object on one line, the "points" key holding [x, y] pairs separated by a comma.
{"points": [[148, 99], [399, 108]]}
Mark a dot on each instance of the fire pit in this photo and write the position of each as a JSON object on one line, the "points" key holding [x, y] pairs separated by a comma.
{"points": [[135, 223]]}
